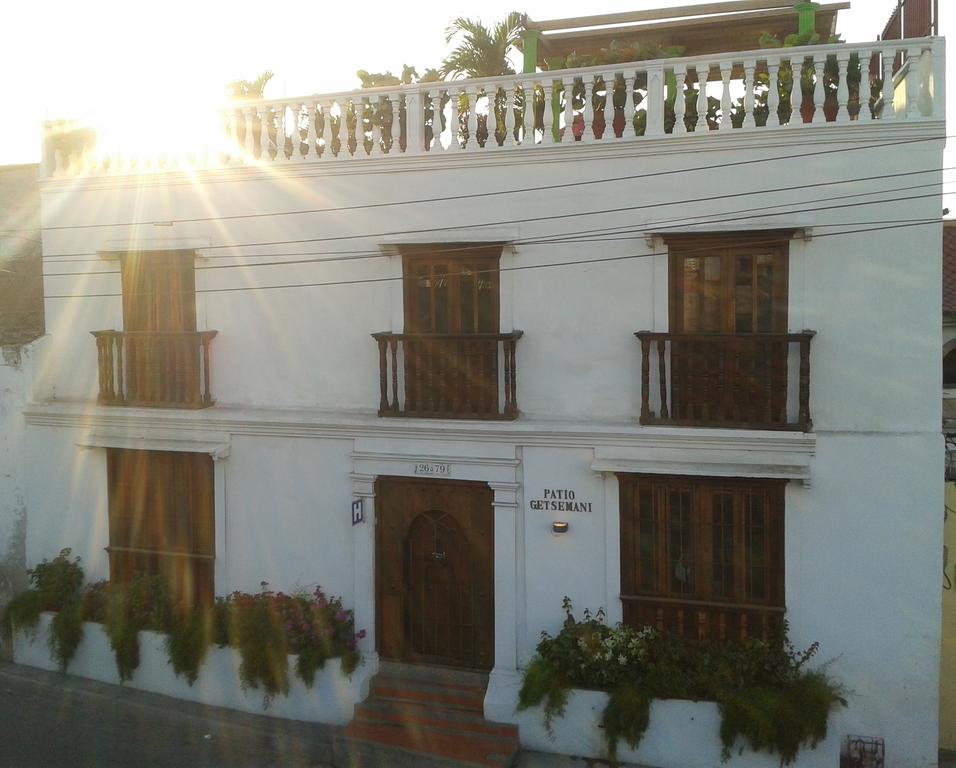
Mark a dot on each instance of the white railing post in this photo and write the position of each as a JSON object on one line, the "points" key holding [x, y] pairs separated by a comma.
{"points": [[630, 107], [548, 93], [819, 92], [843, 89], [913, 75], [796, 91], [703, 74], [568, 85], [395, 135], [311, 136], [250, 149], [773, 92], [655, 101], [865, 115], [750, 93], [587, 135], [454, 121], [889, 111], [415, 121], [680, 102], [726, 106], [509, 105], [937, 51], [472, 121]]}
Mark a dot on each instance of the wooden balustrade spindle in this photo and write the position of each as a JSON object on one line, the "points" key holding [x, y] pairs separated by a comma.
{"points": [[773, 93], [750, 86], [645, 380], [819, 94], [805, 382], [662, 374], [382, 375], [889, 111], [568, 86], [680, 102], [393, 344], [703, 72]]}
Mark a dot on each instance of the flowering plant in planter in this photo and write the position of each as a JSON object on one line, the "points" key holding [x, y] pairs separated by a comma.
{"points": [[763, 689]]}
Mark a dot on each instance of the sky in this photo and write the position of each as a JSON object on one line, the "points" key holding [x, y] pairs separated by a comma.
{"points": [[120, 62]]}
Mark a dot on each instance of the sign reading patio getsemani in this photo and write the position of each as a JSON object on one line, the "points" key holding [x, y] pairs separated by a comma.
{"points": [[560, 500]]}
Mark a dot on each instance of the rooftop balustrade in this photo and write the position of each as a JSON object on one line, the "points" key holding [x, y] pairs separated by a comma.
{"points": [[632, 102]]}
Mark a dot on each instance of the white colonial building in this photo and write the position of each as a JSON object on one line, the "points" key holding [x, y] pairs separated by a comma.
{"points": [[676, 357]]}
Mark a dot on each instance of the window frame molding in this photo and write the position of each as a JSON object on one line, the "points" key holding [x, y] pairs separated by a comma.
{"points": [[218, 446]]}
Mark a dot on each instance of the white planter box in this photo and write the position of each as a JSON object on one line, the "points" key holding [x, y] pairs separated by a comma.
{"points": [[681, 734], [331, 699]]}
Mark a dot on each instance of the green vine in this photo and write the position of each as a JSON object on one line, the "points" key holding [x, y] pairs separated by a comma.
{"points": [[259, 636], [762, 688], [187, 643], [144, 603], [66, 632]]}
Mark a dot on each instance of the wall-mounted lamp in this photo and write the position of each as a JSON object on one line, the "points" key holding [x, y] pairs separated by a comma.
{"points": [[559, 527]]}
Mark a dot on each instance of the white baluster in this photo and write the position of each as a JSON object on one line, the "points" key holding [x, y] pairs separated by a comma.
{"points": [[326, 148], [630, 107], [311, 139], [472, 121], [454, 122], [607, 100], [703, 72], [865, 88], [680, 102], [843, 89], [527, 126], [378, 134], [655, 101], [913, 55], [587, 135], [509, 103], [750, 84], [773, 92], [395, 148], [235, 148], [796, 91], [726, 105], [249, 115], [265, 120], [568, 84], [889, 111], [436, 97], [819, 93]]}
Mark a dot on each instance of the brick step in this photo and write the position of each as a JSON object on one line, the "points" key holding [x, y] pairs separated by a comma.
{"points": [[426, 717], [463, 748], [427, 674], [423, 715], [395, 690]]}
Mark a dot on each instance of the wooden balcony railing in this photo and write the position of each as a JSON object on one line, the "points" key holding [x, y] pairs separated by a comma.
{"points": [[156, 369], [452, 376], [752, 381], [697, 620]]}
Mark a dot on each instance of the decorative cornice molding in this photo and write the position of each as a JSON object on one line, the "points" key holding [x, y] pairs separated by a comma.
{"points": [[299, 422], [643, 147]]}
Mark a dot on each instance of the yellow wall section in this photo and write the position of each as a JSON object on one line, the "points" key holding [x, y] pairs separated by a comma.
{"points": [[947, 672]]}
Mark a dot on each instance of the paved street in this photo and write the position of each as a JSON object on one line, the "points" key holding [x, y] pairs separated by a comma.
{"points": [[48, 719]]}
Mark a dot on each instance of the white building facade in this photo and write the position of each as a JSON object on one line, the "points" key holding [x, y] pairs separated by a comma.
{"points": [[784, 278]]}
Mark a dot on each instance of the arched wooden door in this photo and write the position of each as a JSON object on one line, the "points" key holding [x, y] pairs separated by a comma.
{"points": [[435, 574]]}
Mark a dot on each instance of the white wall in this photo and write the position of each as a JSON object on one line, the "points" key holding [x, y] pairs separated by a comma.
{"points": [[15, 371], [295, 373]]}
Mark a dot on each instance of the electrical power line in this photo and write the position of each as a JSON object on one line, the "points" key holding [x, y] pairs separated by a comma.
{"points": [[519, 190], [604, 233], [516, 268]]}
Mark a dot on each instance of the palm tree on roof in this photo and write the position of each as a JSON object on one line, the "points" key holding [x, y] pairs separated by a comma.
{"points": [[482, 52]]}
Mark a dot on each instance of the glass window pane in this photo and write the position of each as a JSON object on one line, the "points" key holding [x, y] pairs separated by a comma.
{"points": [[648, 541], [723, 545], [680, 554]]}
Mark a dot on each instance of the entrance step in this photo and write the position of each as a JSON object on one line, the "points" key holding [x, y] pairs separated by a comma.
{"points": [[426, 716]]}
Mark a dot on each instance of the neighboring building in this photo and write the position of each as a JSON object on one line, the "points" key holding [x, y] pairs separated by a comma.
{"points": [[947, 673], [21, 322], [444, 328]]}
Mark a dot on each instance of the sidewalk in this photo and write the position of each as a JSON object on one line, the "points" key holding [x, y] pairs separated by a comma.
{"points": [[49, 719]]}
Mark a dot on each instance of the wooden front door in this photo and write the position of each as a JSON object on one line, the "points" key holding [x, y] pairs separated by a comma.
{"points": [[435, 572]]}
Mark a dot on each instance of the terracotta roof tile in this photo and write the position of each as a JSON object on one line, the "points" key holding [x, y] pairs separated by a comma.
{"points": [[949, 269]]}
